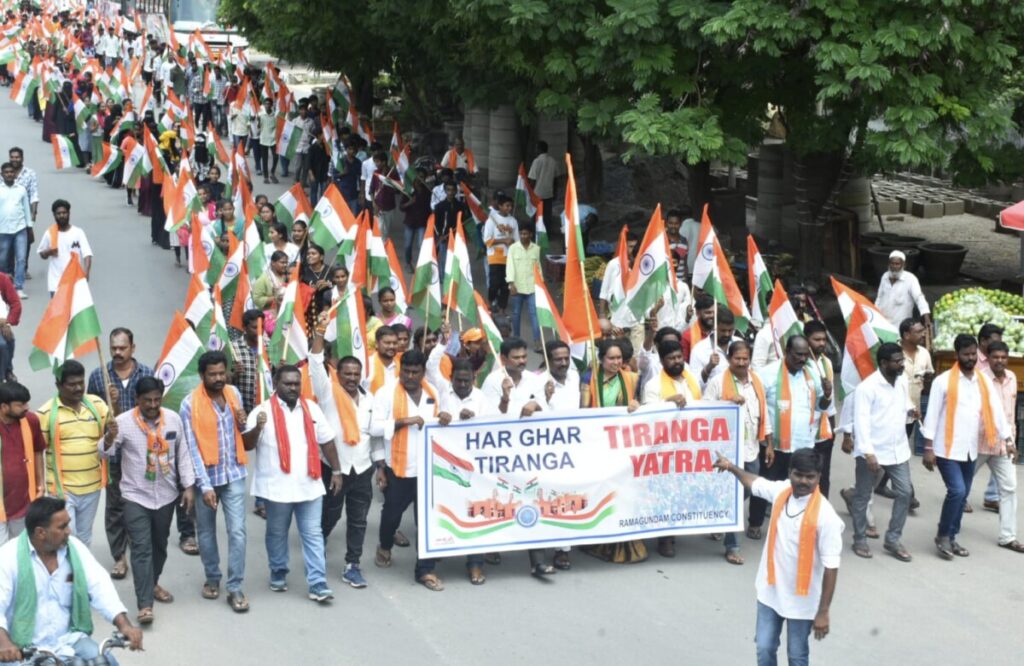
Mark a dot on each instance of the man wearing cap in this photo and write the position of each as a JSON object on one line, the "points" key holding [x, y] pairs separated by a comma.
{"points": [[899, 291], [471, 345]]}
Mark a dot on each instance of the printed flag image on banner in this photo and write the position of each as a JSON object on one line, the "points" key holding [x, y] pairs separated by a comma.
{"points": [[596, 477]]}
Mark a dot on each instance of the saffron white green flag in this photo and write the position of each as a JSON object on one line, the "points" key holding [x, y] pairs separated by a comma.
{"points": [[289, 134], [333, 224], [426, 284], [293, 205], [649, 276], [64, 152], [289, 343], [759, 283], [178, 367], [525, 199], [713, 275], [69, 327], [458, 278]]}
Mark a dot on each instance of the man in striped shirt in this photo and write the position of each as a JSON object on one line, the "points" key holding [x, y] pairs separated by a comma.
{"points": [[73, 423]]}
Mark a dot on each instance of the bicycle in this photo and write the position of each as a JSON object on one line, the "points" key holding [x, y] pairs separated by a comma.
{"points": [[33, 656]]}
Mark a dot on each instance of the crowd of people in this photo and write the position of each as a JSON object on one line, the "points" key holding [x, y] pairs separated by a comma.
{"points": [[315, 451]]}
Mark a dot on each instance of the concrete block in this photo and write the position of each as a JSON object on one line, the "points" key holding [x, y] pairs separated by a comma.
{"points": [[888, 206], [926, 209], [953, 207]]}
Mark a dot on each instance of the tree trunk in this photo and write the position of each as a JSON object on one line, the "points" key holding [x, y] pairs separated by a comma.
{"points": [[593, 170], [698, 187]]}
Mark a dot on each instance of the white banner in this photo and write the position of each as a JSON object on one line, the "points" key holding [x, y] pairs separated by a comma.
{"points": [[586, 477]]}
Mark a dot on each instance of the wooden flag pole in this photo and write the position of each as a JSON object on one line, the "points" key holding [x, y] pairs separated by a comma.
{"points": [[426, 323]]}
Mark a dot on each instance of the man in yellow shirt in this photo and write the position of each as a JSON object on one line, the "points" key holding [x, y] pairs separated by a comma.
{"points": [[523, 260], [72, 424]]}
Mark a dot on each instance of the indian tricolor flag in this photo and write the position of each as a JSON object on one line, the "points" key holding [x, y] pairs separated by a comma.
{"points": [[178, 367], [378, 270], [783, 317], [649, 276], [426, 284], [25, 85], [69, 327], [255, 252], [397, 279], [525, 199], [449, 466], [199, 308], [849, 298], [346, 327], [293, 205], [243, 299], [862, 343], [107, 162], [479, 213], [64, 153], [333, 225], [541, 229], [288, 136], [289, 343], [219, 339], [547, 313], [713, 275], [221, 153], [136, 163], [494, 338], [229, 276], [759, 284], [579, 314], [458, 278]]}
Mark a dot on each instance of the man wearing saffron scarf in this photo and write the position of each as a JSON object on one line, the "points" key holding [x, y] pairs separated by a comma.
{"points": [[800, 561], [704, 311], [383, 365], [34, 610], [212, 418], [154, 462], [964, 415], [794, 394], [706, 355], [400, 411], [348, 409], [817, 337], [743, 386], [881, 404], [288, 433]]}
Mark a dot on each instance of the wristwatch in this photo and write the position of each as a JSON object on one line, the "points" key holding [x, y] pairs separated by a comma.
{"points": [[336, 472]]}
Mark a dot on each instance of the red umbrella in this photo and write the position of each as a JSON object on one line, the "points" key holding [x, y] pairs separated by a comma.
{"points": [[1013, 218]]}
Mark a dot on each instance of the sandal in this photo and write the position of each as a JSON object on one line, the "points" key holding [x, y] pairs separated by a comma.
{"points": [[862, 550], [120, 569], [717, 536], [871, 533], [401, 540], [145, 616], [943, 546], [561, 561], [238, 602], [211, 590], [189, 546], [732, 557], [431, 582], [476, 576], [492, 558], [542, 569], [958, 550], [260, 511], [898, 551], [1015, 546], [162, 595], [754, 533]]}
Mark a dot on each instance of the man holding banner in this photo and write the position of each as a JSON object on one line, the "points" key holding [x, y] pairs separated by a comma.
{"points": [[800, 562]]}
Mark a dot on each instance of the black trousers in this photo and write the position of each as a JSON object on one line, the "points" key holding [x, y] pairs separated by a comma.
{"points": [[113, 514], [497, 288], [186, 522], [779, 471], [147, 529], [398, 495], [354, 500], [824, 449]]}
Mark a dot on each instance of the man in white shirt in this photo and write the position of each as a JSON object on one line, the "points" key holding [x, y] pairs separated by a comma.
{"points": [[899, 291], [791, 589], [765, 349], [289, 433], [611, 299], [562, 377], [509, 389], [15, 227], [881, 405], [47, 543], [543, 171], [706, 357], [366, 176], [953, 432], [647, 359], [353, 448], [401, 409], [71, 242], [674, 383]]}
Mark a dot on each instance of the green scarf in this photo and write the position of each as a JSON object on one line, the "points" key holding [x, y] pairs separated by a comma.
{"points": [[23, 629], [55, 437]]}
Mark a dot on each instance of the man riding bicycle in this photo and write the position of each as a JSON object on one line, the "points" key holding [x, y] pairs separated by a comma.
{"points": [[48, 581]]}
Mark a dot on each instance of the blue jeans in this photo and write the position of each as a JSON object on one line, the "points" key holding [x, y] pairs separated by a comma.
{"points": [[284, 166], [413, 240], [442, 256], [991, 490], [517, 314], [732, 539], [307, 519], [18, 244], [957, 475], [230, 497], [6, 357], [316, 190], [82, 509], [769, 632]]}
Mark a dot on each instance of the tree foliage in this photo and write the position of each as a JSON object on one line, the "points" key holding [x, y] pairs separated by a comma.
{"points": [[910, 82]]}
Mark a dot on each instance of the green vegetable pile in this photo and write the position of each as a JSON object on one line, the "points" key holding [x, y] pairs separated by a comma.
{"points": [[965, 310]]}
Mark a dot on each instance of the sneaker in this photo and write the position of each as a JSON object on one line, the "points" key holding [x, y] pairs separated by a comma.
{"points": [[321, 593], [278, 586], [22, 295], [353, 576]]}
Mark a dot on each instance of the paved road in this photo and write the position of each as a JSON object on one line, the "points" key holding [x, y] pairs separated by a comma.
{"points": [[695, 609]]}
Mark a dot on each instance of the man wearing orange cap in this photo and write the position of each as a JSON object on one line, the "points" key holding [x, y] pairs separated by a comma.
{"points": [[471, 345]]}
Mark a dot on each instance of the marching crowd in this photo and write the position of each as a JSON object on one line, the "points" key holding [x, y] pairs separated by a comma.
{"points": [[312, 443]]}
